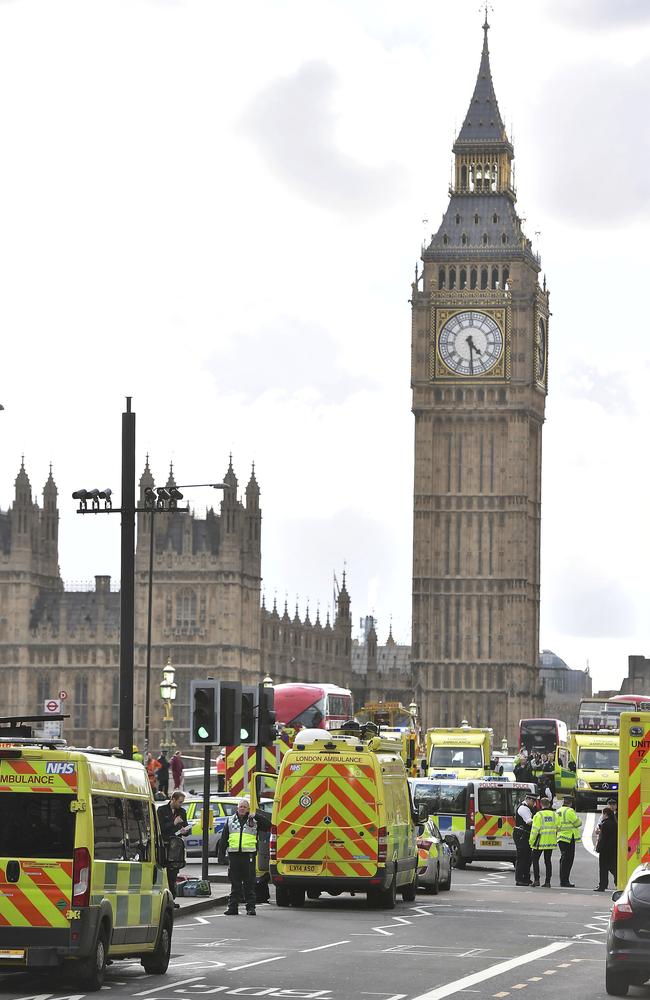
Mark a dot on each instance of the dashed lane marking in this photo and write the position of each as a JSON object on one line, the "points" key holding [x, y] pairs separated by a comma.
{"points": [[496, 970], [535, 979], [261, 961], [500, 995], [322, 947], [156, 989], [519, 986], [549, 972]]}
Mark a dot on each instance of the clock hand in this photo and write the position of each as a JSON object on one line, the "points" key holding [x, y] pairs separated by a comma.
{"points": [[472, 345]]}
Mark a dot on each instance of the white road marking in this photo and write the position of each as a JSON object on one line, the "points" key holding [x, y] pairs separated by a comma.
{"points": [[262, 961], [588, 834], [496, 970], [321, 947], [181, 982]]}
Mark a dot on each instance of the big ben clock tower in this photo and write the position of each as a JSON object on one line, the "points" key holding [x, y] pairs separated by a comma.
{"points": [[479, 380]]}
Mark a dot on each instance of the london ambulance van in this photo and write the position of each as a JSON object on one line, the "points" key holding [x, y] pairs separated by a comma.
{"points": [[476, 817], [343, 821], [82, 865], [461, 752], [596, 757]]}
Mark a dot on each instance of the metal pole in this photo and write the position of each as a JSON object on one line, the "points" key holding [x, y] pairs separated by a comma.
{"points": [[205, 846], [127, 582], [147, 689]]}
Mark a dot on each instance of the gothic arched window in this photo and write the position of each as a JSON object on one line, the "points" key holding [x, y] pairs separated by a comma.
{"points": [[185, 608]]}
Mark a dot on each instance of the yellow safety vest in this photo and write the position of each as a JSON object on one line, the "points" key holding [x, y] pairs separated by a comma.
{"points": [[569, 824], [543, 834], [242, 837]]}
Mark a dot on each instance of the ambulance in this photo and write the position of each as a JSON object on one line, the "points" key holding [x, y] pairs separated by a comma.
{"points": [[82, 864], [596, 778], [476, 817], [343, 820], [634, 795], [461, 752]]}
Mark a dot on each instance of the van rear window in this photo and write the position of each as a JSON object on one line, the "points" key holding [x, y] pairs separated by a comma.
{"points": [[441, 798], [36, 825]]}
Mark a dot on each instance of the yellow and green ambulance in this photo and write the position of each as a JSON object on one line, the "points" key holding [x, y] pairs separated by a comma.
{"points": [[82, 865]]}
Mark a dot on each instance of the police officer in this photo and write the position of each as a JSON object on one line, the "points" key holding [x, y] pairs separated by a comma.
{"points": [[521, 834], [239, 839], [543, 838], [569, 826]]}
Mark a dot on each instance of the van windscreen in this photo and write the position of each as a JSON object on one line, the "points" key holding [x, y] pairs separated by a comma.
{"points": [[441, 798], [36, 825], [456, 757]]}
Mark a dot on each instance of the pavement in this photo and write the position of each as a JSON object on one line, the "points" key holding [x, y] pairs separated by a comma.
{"points": [[486, 939]]}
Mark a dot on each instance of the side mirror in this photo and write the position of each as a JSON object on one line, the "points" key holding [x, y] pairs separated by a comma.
{"points": [[572, 765], [617, 895], [423, 812]]}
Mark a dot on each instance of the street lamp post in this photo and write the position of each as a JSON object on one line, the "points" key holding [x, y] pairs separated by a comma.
{"points": [[168, 695]]}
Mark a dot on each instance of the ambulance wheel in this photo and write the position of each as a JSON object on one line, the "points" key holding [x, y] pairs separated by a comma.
{"points": [[616, 984], [297, 897], [383, 899], [409, 892], [313, 894], [156, 964], [91, 971], [282, 897]]}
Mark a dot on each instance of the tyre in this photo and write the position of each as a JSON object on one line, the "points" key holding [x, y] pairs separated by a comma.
{"points": [[297, 897], [282, 897], [157, 963], [90, 972], [446, 885], [383, 899], [457, 859], [434, 888], [313, 894], [616, 984], [409, 892]]}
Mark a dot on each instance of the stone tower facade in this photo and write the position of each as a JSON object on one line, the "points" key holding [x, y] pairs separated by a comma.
{"points": [[479, 381]]}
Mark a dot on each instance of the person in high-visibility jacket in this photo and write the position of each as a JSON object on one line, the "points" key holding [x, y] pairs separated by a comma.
{"points": [[569, 828], [543, 839], [239, 840]]}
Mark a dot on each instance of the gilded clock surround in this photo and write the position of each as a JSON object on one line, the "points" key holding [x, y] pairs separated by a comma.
{"points": [[440, 371]]}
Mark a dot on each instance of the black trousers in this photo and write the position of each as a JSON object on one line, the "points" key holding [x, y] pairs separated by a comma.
{"points": [[547, 863], [567, 854], [606, 864], [171, 878], [241, 872], [524, 856]]}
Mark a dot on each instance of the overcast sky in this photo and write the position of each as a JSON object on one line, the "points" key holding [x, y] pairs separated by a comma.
{"points": [[217, 209]]}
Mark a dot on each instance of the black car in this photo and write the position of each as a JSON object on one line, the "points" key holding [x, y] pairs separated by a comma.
{"points": [[628, 935]]}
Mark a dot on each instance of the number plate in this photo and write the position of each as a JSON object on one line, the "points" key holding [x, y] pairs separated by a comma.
{"points": [[300, 869], [12, 953], [491, 843]]}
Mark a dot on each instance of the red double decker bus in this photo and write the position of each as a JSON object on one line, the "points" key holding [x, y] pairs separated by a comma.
{"points": [[312, 706]]}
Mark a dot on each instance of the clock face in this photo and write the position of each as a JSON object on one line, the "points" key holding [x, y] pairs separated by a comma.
{"points": [[470, 343], [541, 350]]}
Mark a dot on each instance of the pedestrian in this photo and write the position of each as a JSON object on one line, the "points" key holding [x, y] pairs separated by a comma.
{"points": [[569, 826], [136, 755], [613, 805], [239, 839], [548, 776], [152, 765], [606, 848], [163, 774], [521, 835], [173, 827], [177, 768], [543, 838], [221, 772]]}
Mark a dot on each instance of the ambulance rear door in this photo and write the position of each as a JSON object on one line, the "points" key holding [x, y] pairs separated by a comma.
{"points": [[494, 820], [37, 840]]}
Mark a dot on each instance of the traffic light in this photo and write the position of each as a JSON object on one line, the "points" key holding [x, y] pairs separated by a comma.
{"points": [[229, 713], [249, 715], [266, 731], [204, 704]]}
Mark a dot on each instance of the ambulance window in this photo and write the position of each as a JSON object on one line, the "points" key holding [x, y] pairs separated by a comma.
{"points": [[564, 757], [36, 825], [108, 828], [493, 801], [138, 828]]}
